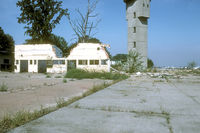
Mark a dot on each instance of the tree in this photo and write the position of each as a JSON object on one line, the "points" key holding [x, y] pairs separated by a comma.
{"points": [[86, 23], [150, 63], [120, 57], [60, 43], [40, 17], [7, 45]]}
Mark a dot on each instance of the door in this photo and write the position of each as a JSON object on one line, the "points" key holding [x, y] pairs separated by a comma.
{"points": [[42, 66], [24, 66]]}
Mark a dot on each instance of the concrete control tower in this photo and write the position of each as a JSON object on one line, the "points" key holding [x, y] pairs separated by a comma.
{"points": [[137, 14]]}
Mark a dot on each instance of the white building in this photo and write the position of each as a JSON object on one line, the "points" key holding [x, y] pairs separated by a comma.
{"points": [[89, 56], [48, 58], [39, 58]]}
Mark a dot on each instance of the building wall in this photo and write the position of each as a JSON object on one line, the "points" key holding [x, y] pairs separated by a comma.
{"points": [[137, 14]]}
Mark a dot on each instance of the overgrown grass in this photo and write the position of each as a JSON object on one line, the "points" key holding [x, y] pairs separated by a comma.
{"points": [[23, 117], [3, 88], [81, 74], [20, 118]]}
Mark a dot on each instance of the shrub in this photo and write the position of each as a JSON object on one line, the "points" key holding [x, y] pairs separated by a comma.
{"points": [[150, 63], [3, 87], [133, 63], [81, 74]]}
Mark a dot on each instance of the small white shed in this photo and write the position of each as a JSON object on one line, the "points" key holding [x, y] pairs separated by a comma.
{"points": [[39, 58], [89, 56]]}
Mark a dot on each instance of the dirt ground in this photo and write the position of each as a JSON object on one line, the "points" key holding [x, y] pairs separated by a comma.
{"points": [[29, 91]]}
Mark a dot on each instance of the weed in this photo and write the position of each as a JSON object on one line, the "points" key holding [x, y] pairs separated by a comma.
{"points": [[82, 74], [60, 102], [48, 76], [64, 81], [58, 76], [3, 88]]}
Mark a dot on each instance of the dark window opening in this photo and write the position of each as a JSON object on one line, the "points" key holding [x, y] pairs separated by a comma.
{"points": [[17, 62], [31, 62], [134, 14], [134, 45], [134, 29], [34, 62], [104, 62], [94, 62], [82, 62], [6, 61]]}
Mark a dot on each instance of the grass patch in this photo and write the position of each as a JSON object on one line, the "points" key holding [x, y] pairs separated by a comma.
{"points": [[58, 76], [21, 118], [48, 76], [83, 74], [64, 81], [3, 88]]}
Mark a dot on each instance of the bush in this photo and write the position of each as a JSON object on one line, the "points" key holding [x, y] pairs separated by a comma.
{"points": [[82, 74], [150, 63], [3, 87], [133, 63]]}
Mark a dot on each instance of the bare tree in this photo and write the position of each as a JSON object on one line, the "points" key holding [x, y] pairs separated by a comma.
{"points": [[86, 23]]}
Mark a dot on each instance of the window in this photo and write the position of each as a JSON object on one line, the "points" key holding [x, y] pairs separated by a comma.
{"points": [[56, 62], [134, 14], [82, 62], [17, 62], [94, 62], [34, 62], [134, 45], [104, 62], [143, 5], [134, 29], [31, 62], [147, 5], [6, 61]]}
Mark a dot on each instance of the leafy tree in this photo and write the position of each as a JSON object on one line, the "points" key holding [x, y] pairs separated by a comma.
{"points": [[86, 23], [150, 63], [60, 43], [6, 45], [40, 17], [120, 57]]}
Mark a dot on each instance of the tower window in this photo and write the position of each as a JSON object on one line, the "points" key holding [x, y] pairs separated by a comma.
{"points": [[134, 44], [143, 5], [147, 5], [134, 14], [134, 29]]}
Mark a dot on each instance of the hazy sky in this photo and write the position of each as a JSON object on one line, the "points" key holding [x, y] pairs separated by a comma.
{"points": [[173, 37]]}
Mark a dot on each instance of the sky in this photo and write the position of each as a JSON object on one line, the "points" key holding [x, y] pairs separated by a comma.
{"points": [[173, 32]]}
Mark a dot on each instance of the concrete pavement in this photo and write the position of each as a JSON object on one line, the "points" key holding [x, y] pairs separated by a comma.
{"points": [[136, 105]]}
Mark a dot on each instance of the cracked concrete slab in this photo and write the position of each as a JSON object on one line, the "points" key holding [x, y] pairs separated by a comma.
{"points": [[138, 104]]}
